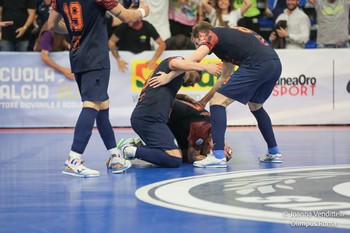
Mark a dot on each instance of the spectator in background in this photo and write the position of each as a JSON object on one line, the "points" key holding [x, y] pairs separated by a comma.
{"points": [[298, 28], [183, 15], [223, 14], [333, 23], [6, 23], [250, 17], [22, 13], [273, 8], [42, 14], [49, 41], [179, 42], [159, 18], [135, 37]]}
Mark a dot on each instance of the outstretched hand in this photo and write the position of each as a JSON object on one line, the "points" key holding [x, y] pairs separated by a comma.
{"points": [[214, 69], [160, 80]]}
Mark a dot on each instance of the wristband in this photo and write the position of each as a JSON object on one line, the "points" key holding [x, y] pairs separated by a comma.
{"points": [[143, 12]]}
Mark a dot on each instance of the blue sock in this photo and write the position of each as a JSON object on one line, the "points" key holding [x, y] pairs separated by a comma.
{"points": [[105, 129], [218, 128], [83, 129], [274, 150], [265, 127], [157, 157]]}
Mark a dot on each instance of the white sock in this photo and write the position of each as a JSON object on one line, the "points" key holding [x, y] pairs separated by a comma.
{"points": [[74, 155], [130, 151], [114, 151]]}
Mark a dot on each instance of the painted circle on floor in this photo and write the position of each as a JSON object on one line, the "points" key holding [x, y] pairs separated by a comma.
{"points": [[302, 196]]}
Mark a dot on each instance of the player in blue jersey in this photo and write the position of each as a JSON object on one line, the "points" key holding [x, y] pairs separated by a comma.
{"points": [[85, 22], [259, 69], [151, 114]]}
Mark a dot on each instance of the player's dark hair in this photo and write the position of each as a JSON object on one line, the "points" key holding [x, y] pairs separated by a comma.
{"points": [[201, 27], [199, 133]]}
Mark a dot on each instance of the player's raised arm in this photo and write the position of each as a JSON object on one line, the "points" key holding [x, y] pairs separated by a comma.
{"points": [[130, 15]]}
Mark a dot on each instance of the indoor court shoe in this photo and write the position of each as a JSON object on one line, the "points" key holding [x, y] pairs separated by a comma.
{"points": [[127, 148], [125, 142], [271, 158], [138, 142], [211, 162], [75, 167], [118, 164]]}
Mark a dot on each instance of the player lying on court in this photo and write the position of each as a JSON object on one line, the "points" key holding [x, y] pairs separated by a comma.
{"points": [[151, 114], [190, 124]]}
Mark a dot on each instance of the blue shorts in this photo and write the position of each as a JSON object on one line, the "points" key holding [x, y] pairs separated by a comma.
{"points": [[252, 84], [93, 85], [155, 134]]}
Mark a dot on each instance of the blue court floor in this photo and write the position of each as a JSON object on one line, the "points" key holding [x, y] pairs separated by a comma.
{"points": [[308, 192]]}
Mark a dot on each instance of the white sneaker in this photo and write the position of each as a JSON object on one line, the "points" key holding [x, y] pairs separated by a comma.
{"points": [[127, 148], [118, 164], [129, 152], [271, 158], [211, 162], [75, 167], [138, 142]]}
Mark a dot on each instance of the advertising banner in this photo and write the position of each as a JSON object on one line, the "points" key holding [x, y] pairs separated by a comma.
{"points": [[313, 89]]}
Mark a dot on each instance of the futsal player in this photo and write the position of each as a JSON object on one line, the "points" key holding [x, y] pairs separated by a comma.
{"points": [[85, 22], [190, 123]]}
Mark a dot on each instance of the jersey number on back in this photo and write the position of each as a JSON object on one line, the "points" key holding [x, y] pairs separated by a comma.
{"points": [[257, 36], [74, 13]]}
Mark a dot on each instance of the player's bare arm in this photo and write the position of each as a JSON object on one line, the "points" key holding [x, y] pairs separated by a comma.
{"points": [[179, 66], [151, 64], [122, 65], [6, 23], [56, 24], [227, 70], [130, 15], [199, 54]]}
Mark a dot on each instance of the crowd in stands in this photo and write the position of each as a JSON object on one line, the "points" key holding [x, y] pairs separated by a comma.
{"points": [[284, 23]]}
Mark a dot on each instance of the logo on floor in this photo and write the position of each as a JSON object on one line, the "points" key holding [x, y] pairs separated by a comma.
{"points": [[300, 197]]}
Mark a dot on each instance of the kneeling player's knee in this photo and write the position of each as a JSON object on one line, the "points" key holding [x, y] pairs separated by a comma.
{"points": [[175, 162]]}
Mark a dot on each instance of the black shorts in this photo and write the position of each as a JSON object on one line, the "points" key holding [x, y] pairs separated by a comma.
{"points": [[155, 134], [93, 85]]}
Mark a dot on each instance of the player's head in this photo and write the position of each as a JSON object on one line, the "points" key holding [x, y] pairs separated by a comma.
{"points": [[200, 134], [191, 78], [200, 29]]}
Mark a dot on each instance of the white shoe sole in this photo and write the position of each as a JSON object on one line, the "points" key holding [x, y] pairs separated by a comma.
{"points": [[211, 165], [80, 175], [120, 170], [271, 161]]}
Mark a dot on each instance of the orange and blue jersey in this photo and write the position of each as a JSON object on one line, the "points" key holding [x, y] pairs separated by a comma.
{"points": [[155, 104], [86, 24], [238, 45]]}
